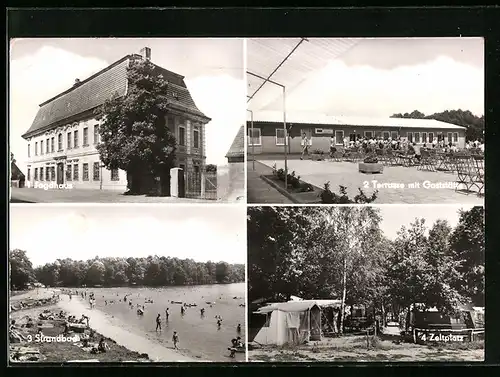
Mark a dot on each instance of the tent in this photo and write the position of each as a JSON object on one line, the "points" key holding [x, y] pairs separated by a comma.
{"points": [[292, 322]]}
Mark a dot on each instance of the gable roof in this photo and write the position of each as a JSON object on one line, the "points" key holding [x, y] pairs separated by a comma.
{"points": [[15, 172], [100, 87], [238, 146], [324, 119]]}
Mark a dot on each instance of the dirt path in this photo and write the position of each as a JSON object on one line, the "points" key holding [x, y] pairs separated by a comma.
{"points": [[112, 328]]}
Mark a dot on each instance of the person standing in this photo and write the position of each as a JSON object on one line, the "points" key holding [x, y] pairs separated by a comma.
{"points": [[158, 322], [175, 339], [305, 146], [166, 314], [333, 149]]}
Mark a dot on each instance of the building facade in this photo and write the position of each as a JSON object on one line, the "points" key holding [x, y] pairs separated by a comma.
{"points": [[269, 134], [231, 178], [62, 140]]}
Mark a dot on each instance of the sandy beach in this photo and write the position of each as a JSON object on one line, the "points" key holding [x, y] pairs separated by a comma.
{"points": [[114, 329]]}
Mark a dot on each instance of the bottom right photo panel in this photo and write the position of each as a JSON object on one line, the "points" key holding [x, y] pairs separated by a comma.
{"points": [[366, 283]]}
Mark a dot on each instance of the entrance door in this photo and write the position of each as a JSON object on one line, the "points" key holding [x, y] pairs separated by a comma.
{"points": [[60, 173]]}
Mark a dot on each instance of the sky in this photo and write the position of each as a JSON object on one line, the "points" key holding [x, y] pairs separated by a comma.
{"points": [[396, 216], [380, 77], [213, 68], [202, 233]]}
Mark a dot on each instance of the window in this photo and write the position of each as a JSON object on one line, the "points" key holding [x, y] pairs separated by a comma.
{"points": [[114, 175], [52, 144], [256, 138], [47, 146], [455, 137], [85, 136], [68, 140], [431, 137], [28, 174], [41, 147], [29, 150], [339, 137], [85, 173], [280, 136], [378, 134], [36, 148], [369, 134], [41, 174], [75, 139], [47, 173], [96, 134], [417, 137], [450, 137], [36, 174], [386, 135], [68, 173], [196, 137], [53, 173], [394, 135], [59, 142], [440, 137], [75, 172], [182, 136], [409, 135], [424, 137], [96, 171]]}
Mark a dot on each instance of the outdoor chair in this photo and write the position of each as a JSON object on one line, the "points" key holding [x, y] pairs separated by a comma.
{"points": [[426, 161], [446, 162], [390, 157], [478, 161], [467, 173]]}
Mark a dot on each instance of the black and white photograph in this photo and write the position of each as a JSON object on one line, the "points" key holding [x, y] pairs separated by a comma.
{"points": [[127, 283], [365, 120], [110, 120], [366, 284]]}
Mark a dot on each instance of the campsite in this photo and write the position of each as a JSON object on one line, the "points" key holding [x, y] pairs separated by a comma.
{"points": [[328, 284]]}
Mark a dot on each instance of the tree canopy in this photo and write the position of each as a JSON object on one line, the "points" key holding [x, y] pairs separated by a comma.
{"points": [[474, 124], [134, 135], [111, 272]]}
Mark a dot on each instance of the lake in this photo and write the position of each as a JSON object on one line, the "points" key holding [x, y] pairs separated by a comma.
{"points": [[199, 336]]}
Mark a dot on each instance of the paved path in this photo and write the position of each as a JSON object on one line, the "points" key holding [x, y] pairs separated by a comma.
{"points": [[346, 173], [258, 191], [35, 195]]}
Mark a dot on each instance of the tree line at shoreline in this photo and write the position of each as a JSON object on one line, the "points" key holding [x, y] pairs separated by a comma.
{"points": [[342, 253], [152, 271]]}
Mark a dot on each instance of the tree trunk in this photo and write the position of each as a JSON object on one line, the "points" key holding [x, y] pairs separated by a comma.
{"points": [[383, 316], [344, 292]]}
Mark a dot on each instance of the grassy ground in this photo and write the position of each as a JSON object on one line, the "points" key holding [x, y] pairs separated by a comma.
{"points": [[64, 351], [357, 348]]}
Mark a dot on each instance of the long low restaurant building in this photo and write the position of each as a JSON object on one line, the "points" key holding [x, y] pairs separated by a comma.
{"points": [[269, 136]]}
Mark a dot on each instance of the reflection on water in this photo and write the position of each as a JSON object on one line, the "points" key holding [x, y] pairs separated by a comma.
{"points": [[202, 334]]}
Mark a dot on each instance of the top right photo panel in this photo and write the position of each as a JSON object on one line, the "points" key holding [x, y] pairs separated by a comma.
{"points": [[365, 120]]}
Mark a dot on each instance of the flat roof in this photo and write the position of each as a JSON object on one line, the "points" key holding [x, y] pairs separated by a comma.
{"points": [[332, 120]]}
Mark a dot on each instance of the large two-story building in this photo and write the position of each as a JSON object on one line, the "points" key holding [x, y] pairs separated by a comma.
{"points": [[65, 132], [269, 135]]}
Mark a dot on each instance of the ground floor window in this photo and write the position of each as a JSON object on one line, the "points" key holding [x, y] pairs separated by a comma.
{"points": [[424, 137], [53, 173], [416, 137], [386, 135], [68, 173], [75, 172], [41, 174], [36, 174], [354, 137], [114, 175], [85, 172], [378, 134], [450, 137], [368, 134], [339, 137], [440, 137], [28, 174], [280, 136], [431, 137], [409, 136], [255, 138], [47, 173], [394, 135], [455, 137], [96, 171]]}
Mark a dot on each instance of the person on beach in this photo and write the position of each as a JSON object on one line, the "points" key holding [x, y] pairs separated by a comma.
{"points": [[219, 324], [238, 328], [166, 314], [202, 312], [175, 339], [182, 310], [158, 322], [102, 347]]}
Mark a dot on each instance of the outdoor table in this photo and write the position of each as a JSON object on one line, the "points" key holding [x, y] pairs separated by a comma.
{"points": [[446, 162]]}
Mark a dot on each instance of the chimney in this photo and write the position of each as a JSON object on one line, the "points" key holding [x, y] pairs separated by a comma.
{"points": [[77, 82], [146, 53]]}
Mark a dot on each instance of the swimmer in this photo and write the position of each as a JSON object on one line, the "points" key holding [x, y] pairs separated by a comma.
{"points": [[166, 314], [175, 339], [158, 322], [238, 328]]}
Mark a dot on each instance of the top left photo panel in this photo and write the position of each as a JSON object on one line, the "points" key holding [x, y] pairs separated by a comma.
{"points": [[127, 120]]}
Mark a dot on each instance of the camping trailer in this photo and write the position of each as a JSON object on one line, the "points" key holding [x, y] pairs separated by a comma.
{"points": [[293, 322]]}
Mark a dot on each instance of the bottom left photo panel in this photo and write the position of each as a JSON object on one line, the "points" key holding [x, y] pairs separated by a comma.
{"points": [[108, 283]]}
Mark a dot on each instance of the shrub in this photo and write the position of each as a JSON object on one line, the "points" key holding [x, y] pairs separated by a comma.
{"points": [[211, 168], [329, 197], [370, 160], [318, 151]]}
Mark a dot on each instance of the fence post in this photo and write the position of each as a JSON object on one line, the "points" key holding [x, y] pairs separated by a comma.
{"points": [[203, 186]]}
